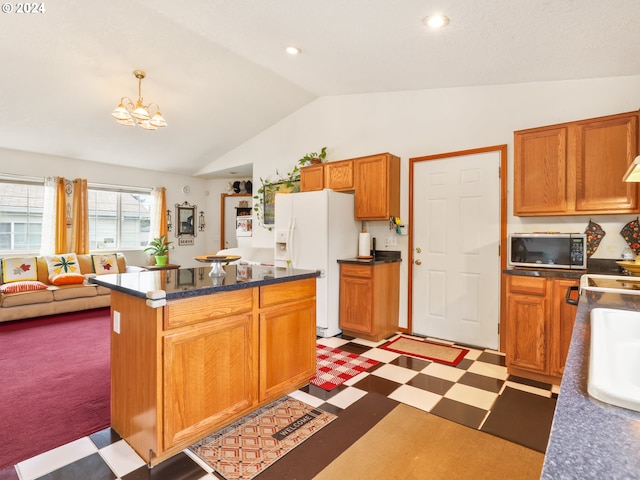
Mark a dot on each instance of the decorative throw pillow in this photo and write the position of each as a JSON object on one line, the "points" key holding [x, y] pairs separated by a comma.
{"points": [[19, 269], [63, 263], [105, 263], [631, 233], [66, 278], [595, 234], [26, 286]]}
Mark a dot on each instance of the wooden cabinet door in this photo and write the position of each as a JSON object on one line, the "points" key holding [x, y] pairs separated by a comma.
{"points": [[338, 176], [312, 178], [562, 321], [604, 150], [540, 172], [356, 301], [287, 347], [377, 187], [527, 332], [209, 375]]}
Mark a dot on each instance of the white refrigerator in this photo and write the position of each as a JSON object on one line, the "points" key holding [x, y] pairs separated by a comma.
{"points": [[312, 231]]}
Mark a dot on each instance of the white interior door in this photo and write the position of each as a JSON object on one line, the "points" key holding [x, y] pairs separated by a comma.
{"points": [[456, 235]]}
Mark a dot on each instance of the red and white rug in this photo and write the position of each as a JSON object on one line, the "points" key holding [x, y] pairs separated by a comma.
{"points": [[334, 367]]}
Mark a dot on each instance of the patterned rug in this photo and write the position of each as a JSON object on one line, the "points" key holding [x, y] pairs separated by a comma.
{"points": [[334, 367], [245, 448], [435, 352]]}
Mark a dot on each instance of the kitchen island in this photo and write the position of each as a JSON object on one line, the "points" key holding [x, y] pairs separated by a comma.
{"points": [[192, 353], [591, 439]]}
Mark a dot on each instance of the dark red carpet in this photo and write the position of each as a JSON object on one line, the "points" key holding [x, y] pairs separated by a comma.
{"points": [[54, 382]]}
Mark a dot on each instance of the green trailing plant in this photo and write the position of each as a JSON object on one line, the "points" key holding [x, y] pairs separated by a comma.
{"points": [[159, 246], [313, 157], [287, 183]]}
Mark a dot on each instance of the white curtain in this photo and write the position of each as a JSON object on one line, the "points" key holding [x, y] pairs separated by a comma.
{"points": [[48, 240]]}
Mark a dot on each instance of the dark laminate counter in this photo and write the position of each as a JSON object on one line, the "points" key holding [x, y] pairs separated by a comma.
{"points": [[189, 282], [602, 266], [381, 256], [591, 439]]}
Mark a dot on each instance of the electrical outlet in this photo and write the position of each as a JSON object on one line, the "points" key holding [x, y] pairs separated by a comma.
{"points": [[391, 241], [116, 321]]}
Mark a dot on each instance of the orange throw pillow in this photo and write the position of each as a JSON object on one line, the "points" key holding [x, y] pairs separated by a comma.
{"points": [[66, 279]]}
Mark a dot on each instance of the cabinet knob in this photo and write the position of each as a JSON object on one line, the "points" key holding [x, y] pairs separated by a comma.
{"points": [[418, 262]]}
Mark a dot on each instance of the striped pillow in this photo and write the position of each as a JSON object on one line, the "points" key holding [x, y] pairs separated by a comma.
{"points": [[26, 286]]}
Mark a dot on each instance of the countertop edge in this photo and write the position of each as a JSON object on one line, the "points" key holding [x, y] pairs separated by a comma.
{"points": [[590, 439], [109, 281]]}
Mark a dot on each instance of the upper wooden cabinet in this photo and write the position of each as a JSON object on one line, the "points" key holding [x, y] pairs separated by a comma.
{"points": [[338, 176], [377, 187], [312, 178], [576, 168]]}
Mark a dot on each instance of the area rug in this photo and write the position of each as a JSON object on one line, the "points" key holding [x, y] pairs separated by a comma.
{"points": [[245, 448], [435, 352], [335, 366], [55, 382], [411, 444]]}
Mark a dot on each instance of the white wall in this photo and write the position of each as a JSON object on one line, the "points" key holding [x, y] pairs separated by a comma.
{"points": [[37, 165], [418, 123]]}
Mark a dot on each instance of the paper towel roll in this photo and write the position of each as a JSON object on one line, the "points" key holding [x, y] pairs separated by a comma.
{"points": [[364, 244]]}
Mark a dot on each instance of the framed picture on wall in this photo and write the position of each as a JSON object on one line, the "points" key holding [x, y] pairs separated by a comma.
{"points": [[269, 198]]}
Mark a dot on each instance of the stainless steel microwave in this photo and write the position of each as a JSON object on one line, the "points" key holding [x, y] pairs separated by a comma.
{"points": [[548, 250]]}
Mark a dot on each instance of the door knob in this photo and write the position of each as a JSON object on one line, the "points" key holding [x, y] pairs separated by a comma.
{"points": [[418, 250], [418, 262]]}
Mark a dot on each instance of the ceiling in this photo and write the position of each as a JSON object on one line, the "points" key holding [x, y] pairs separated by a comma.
{"points": [[219, 72]]}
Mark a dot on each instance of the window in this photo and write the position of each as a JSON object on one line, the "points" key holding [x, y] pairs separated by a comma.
{"points": [[118, 219], [21, 205]]}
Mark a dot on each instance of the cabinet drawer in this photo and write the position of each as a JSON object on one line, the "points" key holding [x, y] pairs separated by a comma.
{"points": [[192, 310], [287, 292], [362, 271], [527, 285]]}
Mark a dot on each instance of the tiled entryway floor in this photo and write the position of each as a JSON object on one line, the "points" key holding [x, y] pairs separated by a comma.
{"points": [[477, 393]]}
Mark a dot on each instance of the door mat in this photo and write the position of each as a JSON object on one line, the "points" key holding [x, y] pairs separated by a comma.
{"points": [[334, 367], [248, 446], [435, 352]]}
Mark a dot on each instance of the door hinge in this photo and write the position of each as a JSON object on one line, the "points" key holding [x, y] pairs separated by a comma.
{"points": [[499, 251], [498, 329], [499, 172]]}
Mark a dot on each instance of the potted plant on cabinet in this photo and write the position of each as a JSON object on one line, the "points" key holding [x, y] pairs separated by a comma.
{"points": [[313, 158], [159, 247]]}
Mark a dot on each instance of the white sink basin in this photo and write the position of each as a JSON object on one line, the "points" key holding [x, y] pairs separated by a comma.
{"points": [[614, 365]]}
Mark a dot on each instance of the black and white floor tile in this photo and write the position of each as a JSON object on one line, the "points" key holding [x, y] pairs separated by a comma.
{"points": [[477, 393]]}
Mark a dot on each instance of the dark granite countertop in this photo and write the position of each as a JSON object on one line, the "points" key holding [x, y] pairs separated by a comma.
{"points": [[381, 256], [189, 282], [591, 439], [602, 266]]}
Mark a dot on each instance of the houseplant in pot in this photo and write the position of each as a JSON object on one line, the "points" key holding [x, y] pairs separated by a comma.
{"points": [[159, 247], [313, 157]]}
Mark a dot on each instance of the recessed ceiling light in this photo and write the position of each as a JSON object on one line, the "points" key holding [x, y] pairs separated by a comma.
{"points": [[291, 50], [436, 21]]}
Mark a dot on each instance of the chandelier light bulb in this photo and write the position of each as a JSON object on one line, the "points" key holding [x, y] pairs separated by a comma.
{"points": [[129, 114]]}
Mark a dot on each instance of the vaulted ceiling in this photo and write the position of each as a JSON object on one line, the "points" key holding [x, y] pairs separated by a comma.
{"points": [[219, 72]]}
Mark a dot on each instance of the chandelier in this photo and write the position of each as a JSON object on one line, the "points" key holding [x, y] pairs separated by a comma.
{"points": [[128, 113]]}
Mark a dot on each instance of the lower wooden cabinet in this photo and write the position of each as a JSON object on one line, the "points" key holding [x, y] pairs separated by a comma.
{"points": [[182, 371], [539, 325], [369, 300]]}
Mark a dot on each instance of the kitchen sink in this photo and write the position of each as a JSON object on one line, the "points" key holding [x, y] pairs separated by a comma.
{"points": [[614, 364]]}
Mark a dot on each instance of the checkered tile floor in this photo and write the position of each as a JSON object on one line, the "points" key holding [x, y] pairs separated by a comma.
{"points": [[467, 394]]}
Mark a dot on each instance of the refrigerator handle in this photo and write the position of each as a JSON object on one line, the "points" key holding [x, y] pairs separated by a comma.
{"points": [[290, 247]]}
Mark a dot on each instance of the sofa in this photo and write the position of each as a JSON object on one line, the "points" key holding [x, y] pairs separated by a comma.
{"points": [[27, 299]]}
